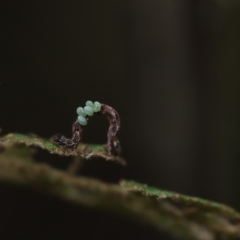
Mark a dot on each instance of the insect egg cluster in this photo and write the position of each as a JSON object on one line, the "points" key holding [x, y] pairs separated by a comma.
{"points": [[88, 110]]}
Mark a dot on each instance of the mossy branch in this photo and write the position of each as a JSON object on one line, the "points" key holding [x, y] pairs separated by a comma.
{"points": [[85, 151], [179, 215]]}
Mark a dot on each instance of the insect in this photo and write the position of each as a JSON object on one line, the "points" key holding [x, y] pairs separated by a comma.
{"points": [[113, 144], [69, 143]]}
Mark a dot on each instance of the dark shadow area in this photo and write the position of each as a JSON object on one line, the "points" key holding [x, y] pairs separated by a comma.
{"points": [[30, 215], [170, 68]]}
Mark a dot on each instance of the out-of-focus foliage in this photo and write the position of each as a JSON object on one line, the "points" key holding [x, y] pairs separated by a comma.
{"points": [[179, 215]]}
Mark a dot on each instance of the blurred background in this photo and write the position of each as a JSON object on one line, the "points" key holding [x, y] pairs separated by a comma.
{"points": [[170, 68]]}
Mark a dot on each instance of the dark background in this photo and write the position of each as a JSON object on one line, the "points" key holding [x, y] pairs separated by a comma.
{"points": [[170, 68]]}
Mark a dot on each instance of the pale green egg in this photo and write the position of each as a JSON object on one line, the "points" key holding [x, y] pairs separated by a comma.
{"points": [[88, 110], [90, 104], [82, 120], [97, 107], [81, 112]]}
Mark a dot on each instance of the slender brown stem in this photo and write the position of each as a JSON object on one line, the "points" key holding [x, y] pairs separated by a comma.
{"points": [[76, 165]]}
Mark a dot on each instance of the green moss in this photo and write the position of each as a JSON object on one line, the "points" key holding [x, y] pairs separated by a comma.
{"points": [[179, 215], [86, 151]]}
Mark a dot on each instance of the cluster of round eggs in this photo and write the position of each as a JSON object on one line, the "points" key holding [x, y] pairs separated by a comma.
{"points": [[88, 110]]}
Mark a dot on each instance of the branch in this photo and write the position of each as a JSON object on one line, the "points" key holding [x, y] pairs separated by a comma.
{"points": [[85, 151], [179, 215]]}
